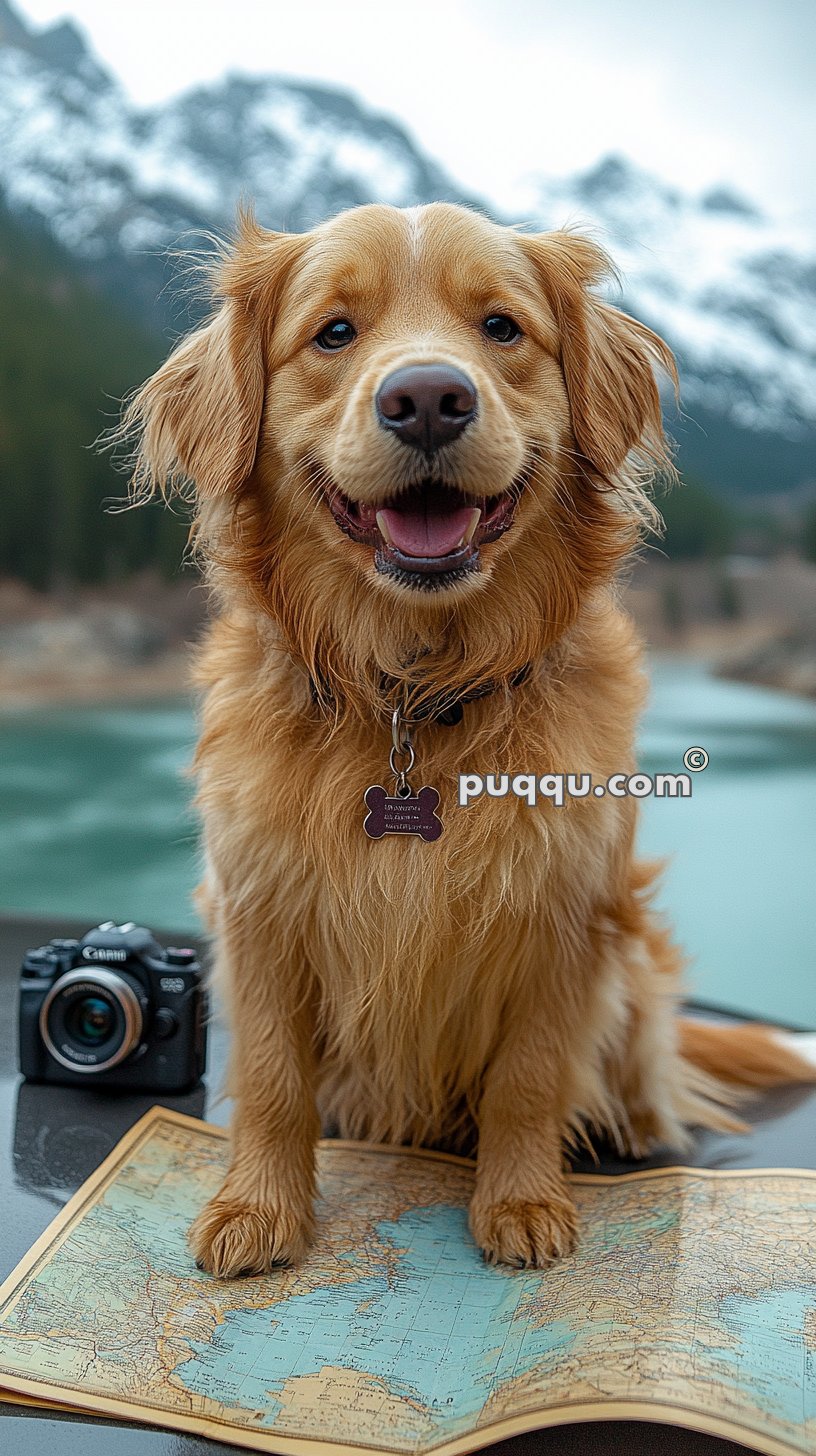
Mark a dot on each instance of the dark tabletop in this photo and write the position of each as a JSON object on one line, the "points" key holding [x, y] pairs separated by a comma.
{"points": [[51, 1139]]}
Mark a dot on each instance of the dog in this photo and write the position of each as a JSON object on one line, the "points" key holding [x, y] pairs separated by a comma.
{"points": [[420, 444]]}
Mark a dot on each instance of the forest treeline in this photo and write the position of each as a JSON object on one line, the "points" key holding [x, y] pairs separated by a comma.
{"points": [[67, 356]]}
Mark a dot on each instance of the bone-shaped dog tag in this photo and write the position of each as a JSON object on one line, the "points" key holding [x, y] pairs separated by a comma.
{"points": [[402, 814]]}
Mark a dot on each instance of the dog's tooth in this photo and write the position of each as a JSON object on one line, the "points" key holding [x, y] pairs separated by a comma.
{"points": [[382, 526], [475, 517]]}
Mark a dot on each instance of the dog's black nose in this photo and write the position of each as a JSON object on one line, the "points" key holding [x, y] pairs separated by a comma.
{"points": [[426, 405]]}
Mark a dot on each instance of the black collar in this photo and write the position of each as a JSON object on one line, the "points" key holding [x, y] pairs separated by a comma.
{"points": [[446, 708]]}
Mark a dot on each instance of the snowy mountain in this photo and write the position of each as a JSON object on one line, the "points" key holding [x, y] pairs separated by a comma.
{"points": [[733, 291], [118, 186]]}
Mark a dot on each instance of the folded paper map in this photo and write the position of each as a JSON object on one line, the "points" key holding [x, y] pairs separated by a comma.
{"points": [[691, 1300]]}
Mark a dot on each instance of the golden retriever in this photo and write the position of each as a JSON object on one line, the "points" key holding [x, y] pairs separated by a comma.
{"points": [[419, 443]]}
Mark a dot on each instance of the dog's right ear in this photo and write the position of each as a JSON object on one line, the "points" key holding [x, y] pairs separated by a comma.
{"points": [[197, 419]]}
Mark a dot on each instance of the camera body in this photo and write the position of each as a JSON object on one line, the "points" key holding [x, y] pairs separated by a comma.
{"points": [[114, 1009]]}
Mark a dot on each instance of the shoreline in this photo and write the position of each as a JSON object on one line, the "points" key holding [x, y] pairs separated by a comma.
{"points": [[746, 620], [163, 680], [169, 678]]}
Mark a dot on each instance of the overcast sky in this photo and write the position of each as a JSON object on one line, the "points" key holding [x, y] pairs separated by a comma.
{"points": [[701, 92]]}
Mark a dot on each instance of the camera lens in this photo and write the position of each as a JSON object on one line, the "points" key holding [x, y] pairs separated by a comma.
{"points": [[92, 1019]]}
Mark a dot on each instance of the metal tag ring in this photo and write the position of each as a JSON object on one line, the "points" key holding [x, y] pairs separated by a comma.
{"points": [[400, 733], [406, 749]]}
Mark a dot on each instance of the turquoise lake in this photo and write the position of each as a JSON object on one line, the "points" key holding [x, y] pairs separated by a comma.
{"points": [[95, 822]]}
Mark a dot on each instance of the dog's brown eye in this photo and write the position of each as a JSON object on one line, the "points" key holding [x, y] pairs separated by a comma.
{"points": [[501, 329], [336, 335]]}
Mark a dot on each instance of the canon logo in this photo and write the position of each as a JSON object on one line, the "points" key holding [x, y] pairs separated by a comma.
{"points": [[99, 953]]}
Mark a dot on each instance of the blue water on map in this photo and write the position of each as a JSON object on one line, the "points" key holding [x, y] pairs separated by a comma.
{"points": [[770, 1331], [439, 1328]]}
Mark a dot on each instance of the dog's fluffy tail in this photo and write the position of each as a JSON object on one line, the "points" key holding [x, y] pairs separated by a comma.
{"points": [[748, 1055], [725, 1064]]}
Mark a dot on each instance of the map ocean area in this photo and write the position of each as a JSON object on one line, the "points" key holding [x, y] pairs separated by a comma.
{"points": [[691, 1299]]}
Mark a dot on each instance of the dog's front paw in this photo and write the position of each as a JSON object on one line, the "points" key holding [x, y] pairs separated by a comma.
{"points": [[523, 1234], [231, 1237]]}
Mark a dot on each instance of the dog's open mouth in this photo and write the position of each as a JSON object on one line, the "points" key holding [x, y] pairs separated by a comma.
{"points": [[429, 535]]}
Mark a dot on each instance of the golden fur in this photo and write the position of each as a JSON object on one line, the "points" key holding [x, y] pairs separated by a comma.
{"points": [[507, 986]]}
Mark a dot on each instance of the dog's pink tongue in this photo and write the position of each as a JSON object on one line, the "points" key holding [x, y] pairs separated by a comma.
{"points": [[422, 531]]}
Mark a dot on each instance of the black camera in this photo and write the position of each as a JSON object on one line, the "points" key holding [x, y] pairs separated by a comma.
{"points": [[114, 1009]]}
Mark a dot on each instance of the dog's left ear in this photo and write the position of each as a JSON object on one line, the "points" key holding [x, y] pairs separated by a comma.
{"points": [[197, 419], [608, 358]]}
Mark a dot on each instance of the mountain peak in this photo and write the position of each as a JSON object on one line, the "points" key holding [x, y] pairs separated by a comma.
{"points": [[611, 174], [616, 177], [725, 199], [13, 30], [61, 47], [62, 44]]}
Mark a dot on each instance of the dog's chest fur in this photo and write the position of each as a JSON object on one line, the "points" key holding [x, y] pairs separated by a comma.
{"points": [[410, 952]]}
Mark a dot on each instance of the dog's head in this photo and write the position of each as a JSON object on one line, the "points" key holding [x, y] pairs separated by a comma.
{"points": [[417, 436]]}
